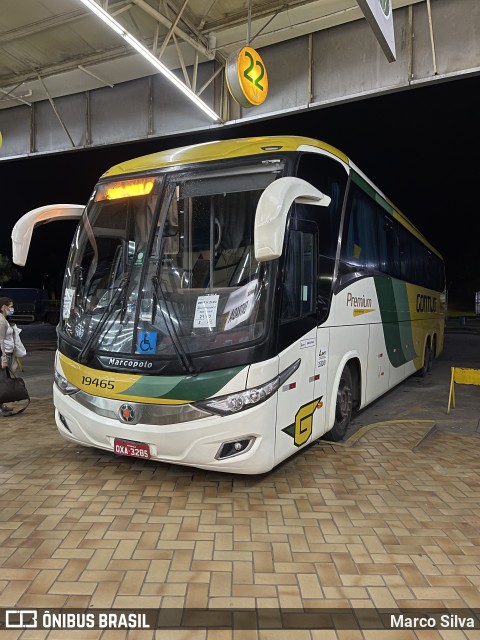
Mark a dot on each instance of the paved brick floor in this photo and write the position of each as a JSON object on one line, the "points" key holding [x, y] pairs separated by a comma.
{"points": [[390, 519]]}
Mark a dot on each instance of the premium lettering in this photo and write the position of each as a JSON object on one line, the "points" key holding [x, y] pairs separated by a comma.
{"points": [[358, 302]]}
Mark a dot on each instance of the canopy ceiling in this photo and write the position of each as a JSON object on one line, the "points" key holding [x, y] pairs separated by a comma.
{"points": [[51, 48]]}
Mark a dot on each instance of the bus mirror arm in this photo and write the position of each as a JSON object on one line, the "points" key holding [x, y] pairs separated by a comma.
{"points": [[23, 229], [272, 210]]}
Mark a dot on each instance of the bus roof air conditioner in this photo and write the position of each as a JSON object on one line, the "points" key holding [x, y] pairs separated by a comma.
{"points": [[272, 211]]}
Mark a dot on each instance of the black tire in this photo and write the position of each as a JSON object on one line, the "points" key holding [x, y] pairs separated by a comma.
{"points": [[427, 362], [430, 360], [343, 407], [433, 352]]}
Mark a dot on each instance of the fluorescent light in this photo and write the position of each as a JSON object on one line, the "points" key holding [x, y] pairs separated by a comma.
{"points": [[148, 55]]}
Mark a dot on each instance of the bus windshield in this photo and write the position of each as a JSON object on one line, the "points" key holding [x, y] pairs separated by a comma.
{"points": [[164, 266]]}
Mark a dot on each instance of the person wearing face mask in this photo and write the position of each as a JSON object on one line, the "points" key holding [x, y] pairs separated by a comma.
{"points": [[7, 343]]}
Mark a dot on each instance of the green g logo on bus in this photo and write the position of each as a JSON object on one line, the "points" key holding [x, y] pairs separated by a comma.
{"points": [[303, 427]]}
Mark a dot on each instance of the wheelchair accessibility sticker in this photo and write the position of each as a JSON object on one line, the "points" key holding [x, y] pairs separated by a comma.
{"points": [[147, 342]]}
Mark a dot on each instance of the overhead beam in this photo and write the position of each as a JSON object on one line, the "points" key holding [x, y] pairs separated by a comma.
{"points": [[94, 75], [83, 61], [69, 65], [40, 26], [49, 23], [152, 59], [240, 17], [12, 97], [278, 6], [172, 29], [59, 117], [199, 45]]}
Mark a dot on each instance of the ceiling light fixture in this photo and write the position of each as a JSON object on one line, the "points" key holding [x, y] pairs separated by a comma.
{"points": [[117, 27]]}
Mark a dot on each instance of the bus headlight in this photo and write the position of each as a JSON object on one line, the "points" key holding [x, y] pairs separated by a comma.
{"points": [[66, 387], [235, 402]]}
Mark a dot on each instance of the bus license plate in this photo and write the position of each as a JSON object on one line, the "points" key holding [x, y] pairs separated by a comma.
{"points": [[133, 449]]}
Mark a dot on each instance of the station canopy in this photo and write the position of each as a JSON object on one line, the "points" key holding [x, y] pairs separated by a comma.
{"points": [[52, 48]]}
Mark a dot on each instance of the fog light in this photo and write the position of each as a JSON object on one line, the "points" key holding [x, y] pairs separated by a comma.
{"points": [[234, 448], [64, 422]]}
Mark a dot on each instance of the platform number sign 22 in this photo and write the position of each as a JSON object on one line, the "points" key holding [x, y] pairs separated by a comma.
{"points": [[247, 78], [252, 77]]}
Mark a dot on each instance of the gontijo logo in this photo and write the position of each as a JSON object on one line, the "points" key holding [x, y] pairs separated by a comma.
{"points": [[426, 304]]}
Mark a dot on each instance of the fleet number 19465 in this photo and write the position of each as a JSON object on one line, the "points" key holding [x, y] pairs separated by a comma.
{"points": [[97, 382]]}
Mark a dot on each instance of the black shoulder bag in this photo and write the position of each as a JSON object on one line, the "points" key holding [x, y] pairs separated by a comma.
{"points": [[12, 389]]}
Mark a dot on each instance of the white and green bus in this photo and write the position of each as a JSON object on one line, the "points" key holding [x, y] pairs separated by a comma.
{"points": [[226, 304]]}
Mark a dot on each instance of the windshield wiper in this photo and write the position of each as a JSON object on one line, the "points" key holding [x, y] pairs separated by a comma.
{"points": [[87, 347], [183, 356], [121, 292], [126, 284]]}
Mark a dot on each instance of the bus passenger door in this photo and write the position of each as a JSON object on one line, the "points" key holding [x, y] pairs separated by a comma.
{"points": [[297, 341]]}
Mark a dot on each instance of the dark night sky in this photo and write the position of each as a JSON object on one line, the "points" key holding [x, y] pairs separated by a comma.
{"points": [[419, 146]]}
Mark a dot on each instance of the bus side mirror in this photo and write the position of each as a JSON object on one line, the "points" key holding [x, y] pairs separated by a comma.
{"points": [[272, 211], [22, 231]]}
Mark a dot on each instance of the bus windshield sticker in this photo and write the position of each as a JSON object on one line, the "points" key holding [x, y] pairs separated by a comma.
{"points": [[68, 297], [308, 342], [147, 342], [239, 296], [206, 311], [240, 305]]}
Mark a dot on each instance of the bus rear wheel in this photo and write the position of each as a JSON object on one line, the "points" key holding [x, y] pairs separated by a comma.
{"points": [[343, 407], [427, 361]]}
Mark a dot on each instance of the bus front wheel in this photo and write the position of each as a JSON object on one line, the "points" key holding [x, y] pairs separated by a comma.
{"points": [[343, 407]]}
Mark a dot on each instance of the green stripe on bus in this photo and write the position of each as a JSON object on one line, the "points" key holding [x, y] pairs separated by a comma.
{"points": [[363, 184], [396, 320], [188, 388]]}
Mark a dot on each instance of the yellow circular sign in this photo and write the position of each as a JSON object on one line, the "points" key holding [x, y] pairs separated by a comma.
{"points": [[247, 78]]}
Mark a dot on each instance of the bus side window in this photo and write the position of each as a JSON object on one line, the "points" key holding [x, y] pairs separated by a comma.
{"points": [[299, 282], [390, 257], [360, 245]]}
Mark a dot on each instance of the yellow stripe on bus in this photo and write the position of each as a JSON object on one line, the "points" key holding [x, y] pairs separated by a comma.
{"points": [[107, 384]]}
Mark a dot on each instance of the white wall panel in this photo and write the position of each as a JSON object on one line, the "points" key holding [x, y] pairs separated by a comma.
{"points": [[174, 112], [120, 113], [49, 133], [15, 127]]}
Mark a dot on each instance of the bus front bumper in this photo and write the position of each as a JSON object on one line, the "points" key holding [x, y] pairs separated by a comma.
{"points": [[193, 443]]}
